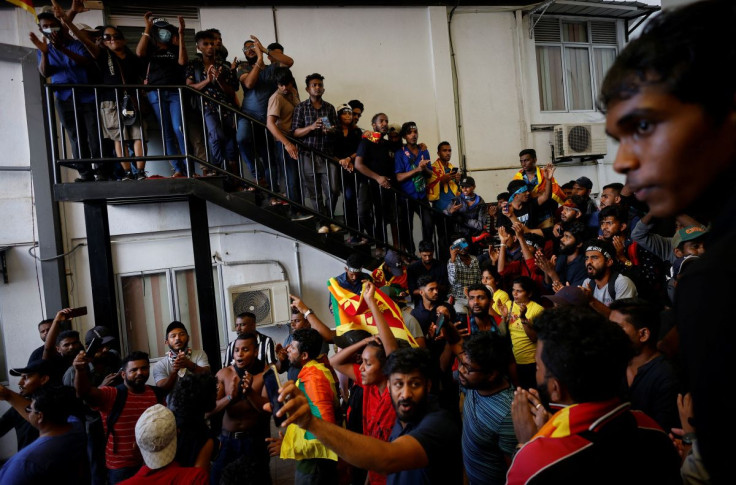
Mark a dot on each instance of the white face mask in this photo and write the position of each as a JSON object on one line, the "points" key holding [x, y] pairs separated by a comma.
{"points": [[50, 30]]}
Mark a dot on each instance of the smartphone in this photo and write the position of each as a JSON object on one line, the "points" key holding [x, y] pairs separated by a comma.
{"points": [[453, 170], [440, 322], [93, 347], [273, 383], [77, 312], [326, 122]]}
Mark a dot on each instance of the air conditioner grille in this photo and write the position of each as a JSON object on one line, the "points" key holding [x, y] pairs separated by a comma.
{"points": [[257, 302], [578, 138]]}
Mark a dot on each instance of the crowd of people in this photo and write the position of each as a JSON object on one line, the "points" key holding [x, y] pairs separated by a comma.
{"points": [[561, 340]]}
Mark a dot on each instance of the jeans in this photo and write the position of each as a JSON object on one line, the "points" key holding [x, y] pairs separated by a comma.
{"points": [[316, 182], [376, 208], [255, 145], [220, 136], [291, 173], [168, 114], [407, 209], [81, 128], [251, 446]]}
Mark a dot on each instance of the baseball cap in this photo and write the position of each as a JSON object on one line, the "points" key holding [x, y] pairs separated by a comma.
{"points": [[584, 182], [40, 366], [100, 332], [155, 433], [467, 182], [394, 263], [162, 23], [687, 234], [344, 107], [568, 295]]}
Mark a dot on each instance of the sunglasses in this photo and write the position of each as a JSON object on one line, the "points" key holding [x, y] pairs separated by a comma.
{"points": [[108, 37]]}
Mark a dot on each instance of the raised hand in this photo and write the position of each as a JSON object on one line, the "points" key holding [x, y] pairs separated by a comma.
{"points": [[549, 171], [148, 19], [42, 45]]}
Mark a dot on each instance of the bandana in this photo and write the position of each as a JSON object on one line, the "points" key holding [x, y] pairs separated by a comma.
{"points": [[600, 250], [520, 191], [173, 354], [354, 270], [571, 205]]}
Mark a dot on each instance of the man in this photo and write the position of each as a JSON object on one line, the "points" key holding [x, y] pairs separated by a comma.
{"points": [[301, 322], [427, 265], [215, 79], [246, 323], [462, 271], [412, 167], [378, 414], [358, 109], [479, 317], [33, 377], [65, 61], [442, 185], [43, 330], [570, 264], [220, 50], [488, 441], [106, 361], [391, 272], [595, 437], [467, 209], [59, 454], [61, 347], [245, 426], [259, 84], [536, 183], [316, 464], [352, 279], [694, 127], [120, 408], [376, 206], [651, 381], [604, 284], [424, 311], [314, 121], [156, 437], [610, 195], [424, 444], [582, 188], [280, 113], [180, 359]]}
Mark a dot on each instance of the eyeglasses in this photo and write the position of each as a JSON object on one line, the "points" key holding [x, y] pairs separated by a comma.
{"points": [[250, 48], [108, 37]]}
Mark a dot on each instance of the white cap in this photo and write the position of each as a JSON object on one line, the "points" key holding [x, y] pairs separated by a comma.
{"points": [[155, 433]]}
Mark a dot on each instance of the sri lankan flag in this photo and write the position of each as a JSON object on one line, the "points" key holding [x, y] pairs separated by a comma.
{"points": [[26, 5], [557, 194], [351, 313], [318, 384]]}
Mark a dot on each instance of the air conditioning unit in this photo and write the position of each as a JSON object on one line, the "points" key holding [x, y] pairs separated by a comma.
{"points": [[268, 301], [579, 140]]}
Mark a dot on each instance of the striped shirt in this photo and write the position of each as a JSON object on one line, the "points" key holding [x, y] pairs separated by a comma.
{"points": [[121, 450], [266, 350], [488, 435]]}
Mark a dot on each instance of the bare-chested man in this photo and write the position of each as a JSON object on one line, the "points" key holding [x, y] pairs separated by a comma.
{"points": [[245, 426]]}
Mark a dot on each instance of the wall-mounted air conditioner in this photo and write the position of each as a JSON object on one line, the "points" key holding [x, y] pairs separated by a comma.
{"points": [[579, 140], [269, 301]]}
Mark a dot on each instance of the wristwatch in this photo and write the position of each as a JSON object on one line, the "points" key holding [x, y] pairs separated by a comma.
{"points": [[307, 313]]}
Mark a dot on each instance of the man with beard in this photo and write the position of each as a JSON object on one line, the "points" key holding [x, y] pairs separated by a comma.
{"points": [[594, 437], [488, 441], [479, 317], [604, 284], [120, 408], [245, 426], [570, 264], [424, 445], [180, 359], [316, 464], [376, 206], [427, 264], [424, 311]]}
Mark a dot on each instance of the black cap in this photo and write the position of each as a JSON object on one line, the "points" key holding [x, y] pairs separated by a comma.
{"points": [[467, 182], [585, 182], [99, 332], [43, 367]]}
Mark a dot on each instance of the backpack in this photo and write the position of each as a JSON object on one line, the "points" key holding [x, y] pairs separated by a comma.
{"points": [[611, 284], [117, 407]]}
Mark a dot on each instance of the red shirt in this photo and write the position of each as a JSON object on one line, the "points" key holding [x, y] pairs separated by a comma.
{"points": [[124, 451], [171, 474], [379, 416]]}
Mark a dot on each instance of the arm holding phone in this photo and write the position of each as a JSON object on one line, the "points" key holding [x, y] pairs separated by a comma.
{"points": [[49, 347]]}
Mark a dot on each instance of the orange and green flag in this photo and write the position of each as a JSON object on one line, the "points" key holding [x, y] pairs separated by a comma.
{"points": [[26, 5], [351, 313]]}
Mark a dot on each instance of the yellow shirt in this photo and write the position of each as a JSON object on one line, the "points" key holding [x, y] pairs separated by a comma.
{"points": [[524, 349], [499, 295]]}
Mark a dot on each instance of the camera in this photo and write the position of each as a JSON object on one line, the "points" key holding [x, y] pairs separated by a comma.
{"points": [[459, 244]]}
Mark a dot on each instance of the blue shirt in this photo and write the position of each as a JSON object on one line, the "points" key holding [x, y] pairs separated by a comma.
{"points": [[573, 273], [439, 435], [255, 99], [54, 460], [405, 161], [64, 70]]}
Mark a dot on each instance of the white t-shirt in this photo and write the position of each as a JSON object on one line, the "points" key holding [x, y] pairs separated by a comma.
{"points": [[625, 288]]}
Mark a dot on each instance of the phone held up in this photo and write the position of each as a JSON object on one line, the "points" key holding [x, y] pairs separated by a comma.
{"points": [[273, 383]]}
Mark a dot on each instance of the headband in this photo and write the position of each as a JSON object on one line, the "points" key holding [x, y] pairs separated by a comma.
{"points": [[520, 191], [600, 250]]}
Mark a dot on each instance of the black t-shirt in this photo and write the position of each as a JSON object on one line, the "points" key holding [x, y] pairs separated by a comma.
{"points": [[162, 67], [116, 70], [528, 214], [376, 157], [346, 145]]}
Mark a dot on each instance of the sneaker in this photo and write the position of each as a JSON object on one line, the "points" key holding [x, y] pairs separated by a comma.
{"points": [[300, 216], [323, 230], [128, 176], [141, 175], [84, 178], [335, 228]]}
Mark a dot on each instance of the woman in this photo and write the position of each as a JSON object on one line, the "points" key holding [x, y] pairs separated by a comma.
{"points": [[165, 56], [520, 313], [347, 139]]}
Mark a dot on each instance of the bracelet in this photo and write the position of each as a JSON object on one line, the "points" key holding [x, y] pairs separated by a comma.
{"points": [[146, 34], [308, 312], [229, 397]]}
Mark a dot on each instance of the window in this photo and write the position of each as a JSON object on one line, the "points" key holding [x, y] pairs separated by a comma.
{"points": [[152, 300], [572, 60]]}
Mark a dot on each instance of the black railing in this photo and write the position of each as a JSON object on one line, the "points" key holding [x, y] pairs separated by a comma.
{"points": [[269, 163]]}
